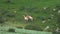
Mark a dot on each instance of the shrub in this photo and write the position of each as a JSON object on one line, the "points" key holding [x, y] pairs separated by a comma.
{"points": [[33, 27], [20, 27], [11, 30], [58, 21], [56, 32], [58, 7], [1, 20], [10, 15], [8, 1], [3, 12]]}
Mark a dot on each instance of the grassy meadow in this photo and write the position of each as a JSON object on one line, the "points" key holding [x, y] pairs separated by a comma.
{"points": [[33, 8]]}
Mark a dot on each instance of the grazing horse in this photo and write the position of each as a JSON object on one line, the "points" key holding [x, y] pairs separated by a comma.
{"points": [[28, 18]]}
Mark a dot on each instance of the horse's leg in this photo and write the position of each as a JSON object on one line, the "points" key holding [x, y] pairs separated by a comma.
{"points": [[26, 21]]}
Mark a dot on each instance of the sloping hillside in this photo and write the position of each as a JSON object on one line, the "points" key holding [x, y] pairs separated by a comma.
{"points": [[12, 11]]}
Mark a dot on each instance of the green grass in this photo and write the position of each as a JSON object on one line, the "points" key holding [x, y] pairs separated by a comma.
{"points": [[20, 31], [31, 3]]}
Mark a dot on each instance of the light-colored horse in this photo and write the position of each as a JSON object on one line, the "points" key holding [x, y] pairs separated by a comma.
{"points": [[28, 18]]}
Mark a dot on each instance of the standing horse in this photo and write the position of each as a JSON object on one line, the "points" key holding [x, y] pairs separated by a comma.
{"points": [[28, 18]]}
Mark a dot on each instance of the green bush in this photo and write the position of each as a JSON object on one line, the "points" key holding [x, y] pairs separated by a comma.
{"points": [[19, 27], [1, 20], [33, 27], [58, 21], [11, 30], [10, 15], [56, 32]]}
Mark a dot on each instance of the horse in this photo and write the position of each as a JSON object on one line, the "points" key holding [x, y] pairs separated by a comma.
{"points": [[28, 18]]}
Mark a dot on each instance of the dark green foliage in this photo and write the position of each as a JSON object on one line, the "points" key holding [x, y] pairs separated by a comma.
{"points": [[20, 27], [8, 2], [10, 15], [58, 21], [58, 7], [11, 30], [3, 12], [1, 20], [33, 27], [56, 32], [49, 18]]}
